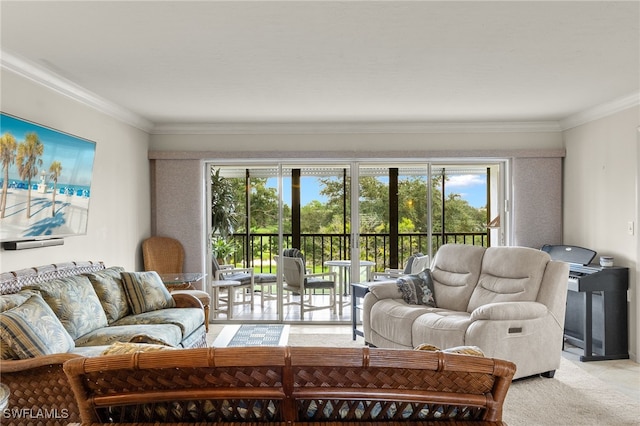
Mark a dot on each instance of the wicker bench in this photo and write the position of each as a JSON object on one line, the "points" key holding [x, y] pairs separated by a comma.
{"points": [[290, 385]]}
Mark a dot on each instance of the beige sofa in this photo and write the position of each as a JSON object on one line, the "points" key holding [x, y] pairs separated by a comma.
{"points": [[508, 301]]}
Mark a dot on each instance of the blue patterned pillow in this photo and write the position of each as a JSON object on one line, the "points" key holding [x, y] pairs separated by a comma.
{"points": [[75, 303], [146, 292], [108, 286], [32, 329], [417, 289]]}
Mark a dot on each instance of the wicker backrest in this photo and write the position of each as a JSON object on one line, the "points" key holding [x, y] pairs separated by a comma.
{"points": [[12, 282], [163, 254], [289, 384]]}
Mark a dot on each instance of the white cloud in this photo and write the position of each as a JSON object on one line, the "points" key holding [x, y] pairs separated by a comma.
{"points": [[464, 181]]}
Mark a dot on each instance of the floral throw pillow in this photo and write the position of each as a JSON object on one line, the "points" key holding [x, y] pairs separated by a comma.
{"points": [[146, 292], [32, 329], [108, 286], [417, 289], [75, 303]]}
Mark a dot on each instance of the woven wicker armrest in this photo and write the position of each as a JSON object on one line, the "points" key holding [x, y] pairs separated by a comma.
{"points": [[185, 300], [38, 385]]}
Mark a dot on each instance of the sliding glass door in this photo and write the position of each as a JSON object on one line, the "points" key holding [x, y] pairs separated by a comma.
{"points": [[400, 208]]}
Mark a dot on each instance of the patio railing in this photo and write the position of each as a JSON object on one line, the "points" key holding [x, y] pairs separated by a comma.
{"points": [[319, 248]]}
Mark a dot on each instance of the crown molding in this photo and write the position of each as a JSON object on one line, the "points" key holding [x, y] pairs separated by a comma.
{"points": [[351, 127], [46, 78], [600, 111]]}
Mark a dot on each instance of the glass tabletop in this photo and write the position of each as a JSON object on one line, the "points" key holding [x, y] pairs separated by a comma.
{"points": [[182, 278], [4, 396]]}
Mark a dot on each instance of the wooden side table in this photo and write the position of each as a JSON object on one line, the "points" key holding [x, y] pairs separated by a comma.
{"points": [[358, 291], [216, 285]]}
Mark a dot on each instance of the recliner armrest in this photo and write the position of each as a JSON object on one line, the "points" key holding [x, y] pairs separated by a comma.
{"points": [[509, 311], [385, 290]]}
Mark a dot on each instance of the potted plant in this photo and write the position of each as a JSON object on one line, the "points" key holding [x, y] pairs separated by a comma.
{"points": [[222, 248], [223, 209], [223, 217]]}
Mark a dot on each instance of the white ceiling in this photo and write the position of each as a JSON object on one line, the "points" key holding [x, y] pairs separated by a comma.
{"points": [[182, 62]]}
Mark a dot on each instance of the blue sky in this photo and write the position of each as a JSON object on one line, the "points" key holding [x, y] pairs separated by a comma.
{"points": [[473, 188], [75, 154]]}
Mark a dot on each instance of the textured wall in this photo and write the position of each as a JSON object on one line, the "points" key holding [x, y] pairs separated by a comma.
{"points": [[177, 207], [537, 201]]}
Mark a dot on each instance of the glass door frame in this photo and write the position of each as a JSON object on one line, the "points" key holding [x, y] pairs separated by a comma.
{"points": [[354, 176]]}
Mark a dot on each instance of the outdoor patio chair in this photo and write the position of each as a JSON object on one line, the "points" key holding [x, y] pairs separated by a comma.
{"points": [[299, 282], [244, 275], [416, 263]]}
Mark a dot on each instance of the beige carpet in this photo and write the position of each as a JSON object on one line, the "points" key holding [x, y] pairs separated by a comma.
{"points": [[572, 397]]}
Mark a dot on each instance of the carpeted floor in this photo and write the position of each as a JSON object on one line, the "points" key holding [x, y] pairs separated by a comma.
{"points": [[572, 397]]}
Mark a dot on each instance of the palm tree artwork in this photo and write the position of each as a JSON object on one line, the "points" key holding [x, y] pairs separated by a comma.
{"points": [[39, 165], [54, 173], [8, 157], [28, 161]]}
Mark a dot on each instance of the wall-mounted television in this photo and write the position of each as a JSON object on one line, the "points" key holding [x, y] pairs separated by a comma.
{"points": [[45, 182]]}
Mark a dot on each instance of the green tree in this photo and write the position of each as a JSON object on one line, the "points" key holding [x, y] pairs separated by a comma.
{"points": [[314, 217], [8, 156], [54, 173], [264, 205], [28, 161], [224, 218], [412, 203]]}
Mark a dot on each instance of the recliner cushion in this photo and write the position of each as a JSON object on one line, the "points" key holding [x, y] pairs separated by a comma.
{"points": [[455, 272], [441, 327], [509, 274], [392, 319]]}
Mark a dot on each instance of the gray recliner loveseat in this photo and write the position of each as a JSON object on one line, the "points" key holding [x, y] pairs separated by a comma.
{"points": [[508, 301]]}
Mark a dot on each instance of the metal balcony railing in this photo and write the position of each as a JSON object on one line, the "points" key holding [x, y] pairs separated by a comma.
{"points": [[319, 248]]}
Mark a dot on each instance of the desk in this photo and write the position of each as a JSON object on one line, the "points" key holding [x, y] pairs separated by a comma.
{"points": [[343, 268], [181, 281]]}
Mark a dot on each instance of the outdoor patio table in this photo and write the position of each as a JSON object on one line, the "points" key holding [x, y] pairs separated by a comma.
{"points": [[343, 269]]}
